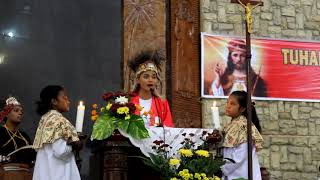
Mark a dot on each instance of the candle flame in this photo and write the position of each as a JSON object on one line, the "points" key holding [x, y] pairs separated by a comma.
{"points": [[214, 104], [81, 103]]}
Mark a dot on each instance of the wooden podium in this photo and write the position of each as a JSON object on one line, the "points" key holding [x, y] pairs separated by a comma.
{"points": [[116, 159], [15, 171]]}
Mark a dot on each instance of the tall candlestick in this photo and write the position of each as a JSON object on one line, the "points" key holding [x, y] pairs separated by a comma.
{"points": [[215, 116], [80, 117]]}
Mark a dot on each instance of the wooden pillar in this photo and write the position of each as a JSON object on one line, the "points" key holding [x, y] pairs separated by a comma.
{"points": [[184, 52]]}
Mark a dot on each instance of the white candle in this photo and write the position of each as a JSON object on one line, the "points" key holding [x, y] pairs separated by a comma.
{"points": [[215, 116], [80, 117]]}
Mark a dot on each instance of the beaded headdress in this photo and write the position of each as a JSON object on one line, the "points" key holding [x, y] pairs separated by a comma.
{"points": [[10, 103], [147, 66]]}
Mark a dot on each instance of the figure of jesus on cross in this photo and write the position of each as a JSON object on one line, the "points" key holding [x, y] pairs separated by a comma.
{"points": [[249, 5]]}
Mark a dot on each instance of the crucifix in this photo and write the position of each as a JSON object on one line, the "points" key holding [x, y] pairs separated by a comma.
{"points": [[249, 5]]}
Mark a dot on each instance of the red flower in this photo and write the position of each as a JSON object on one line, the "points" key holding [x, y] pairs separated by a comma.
{"points": [[158, 142], [214, 137], [114, 107], [107, 96], [117, 94], [132, 108], [132, 94]]}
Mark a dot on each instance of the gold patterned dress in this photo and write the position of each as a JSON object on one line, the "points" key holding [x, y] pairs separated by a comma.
{"points": [[235, 148], [55, 159]]}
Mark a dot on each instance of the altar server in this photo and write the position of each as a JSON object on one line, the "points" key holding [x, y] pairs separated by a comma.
{"points": [[235, 139], [56, 138]]}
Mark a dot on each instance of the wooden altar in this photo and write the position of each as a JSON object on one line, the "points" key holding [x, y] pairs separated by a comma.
{"points": [[117, 159], [15, 171]]}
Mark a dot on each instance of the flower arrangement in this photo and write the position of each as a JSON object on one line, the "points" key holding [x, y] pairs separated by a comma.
{"points": [[190, 162], [117, 114]]}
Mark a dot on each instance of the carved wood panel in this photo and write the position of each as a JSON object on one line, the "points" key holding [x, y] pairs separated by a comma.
{"points": [[144, 28], [185, 50]]}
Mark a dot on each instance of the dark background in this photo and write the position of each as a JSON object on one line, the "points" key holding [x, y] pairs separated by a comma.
{"points": [[74, 43]]}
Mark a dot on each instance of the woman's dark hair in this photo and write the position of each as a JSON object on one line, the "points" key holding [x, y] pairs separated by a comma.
{"points": [[47, 94], [241, 96]]}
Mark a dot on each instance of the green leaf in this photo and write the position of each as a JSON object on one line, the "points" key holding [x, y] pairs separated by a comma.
{"points": [[136, 129], [103, 127], [123, 125]]}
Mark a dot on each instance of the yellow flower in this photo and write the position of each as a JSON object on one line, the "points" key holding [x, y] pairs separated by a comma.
{"points": [[93, 118], [203, 153], [102, 109], [108, 106], [185, 174], [197, 176], [127, 117], [216, 178], [174, 162], [203, 175], [173, 178], [123, 110], [185, 152]]}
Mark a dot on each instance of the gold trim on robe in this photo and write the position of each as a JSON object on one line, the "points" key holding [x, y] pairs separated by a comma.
{"points": [[54, 126], [235, 133]]}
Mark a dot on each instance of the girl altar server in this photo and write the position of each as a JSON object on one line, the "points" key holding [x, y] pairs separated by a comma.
{"points": [[235, 139]]}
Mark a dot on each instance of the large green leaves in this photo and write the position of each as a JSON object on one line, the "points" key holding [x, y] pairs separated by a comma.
{"points": [[103, 127], [136, 128], [106, 124]]}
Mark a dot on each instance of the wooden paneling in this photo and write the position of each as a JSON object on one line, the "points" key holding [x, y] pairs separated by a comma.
{"points": [[184, 42], [144, 28]]}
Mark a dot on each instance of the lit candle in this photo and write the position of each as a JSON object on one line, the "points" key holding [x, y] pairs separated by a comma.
{"points": [[215, 116], [80, 117]]}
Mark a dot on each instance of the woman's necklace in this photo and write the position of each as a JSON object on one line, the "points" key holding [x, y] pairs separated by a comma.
{"points": [[12, 135]]}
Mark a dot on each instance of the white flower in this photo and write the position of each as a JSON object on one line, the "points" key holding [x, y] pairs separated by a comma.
{"points": [[121, 100]]}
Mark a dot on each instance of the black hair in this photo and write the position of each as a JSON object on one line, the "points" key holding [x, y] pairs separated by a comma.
{"points": [[241, 97], [46, 95], [263, 168], [155, 56]]}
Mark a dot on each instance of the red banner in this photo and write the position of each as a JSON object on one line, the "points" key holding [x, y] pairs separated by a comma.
{"points": [[284, 70]]}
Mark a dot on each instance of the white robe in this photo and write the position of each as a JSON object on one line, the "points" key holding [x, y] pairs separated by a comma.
{"points": [[56, 162], [240, 168]]}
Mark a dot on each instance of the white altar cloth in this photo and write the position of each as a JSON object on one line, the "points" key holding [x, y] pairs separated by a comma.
{"points": [[171, 136]]}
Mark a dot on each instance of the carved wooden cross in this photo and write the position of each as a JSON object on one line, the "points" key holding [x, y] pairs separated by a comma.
{"points": [[249, 5]]}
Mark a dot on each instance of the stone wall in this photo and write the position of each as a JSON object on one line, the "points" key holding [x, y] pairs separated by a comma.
{"points": [[291, 129]]}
